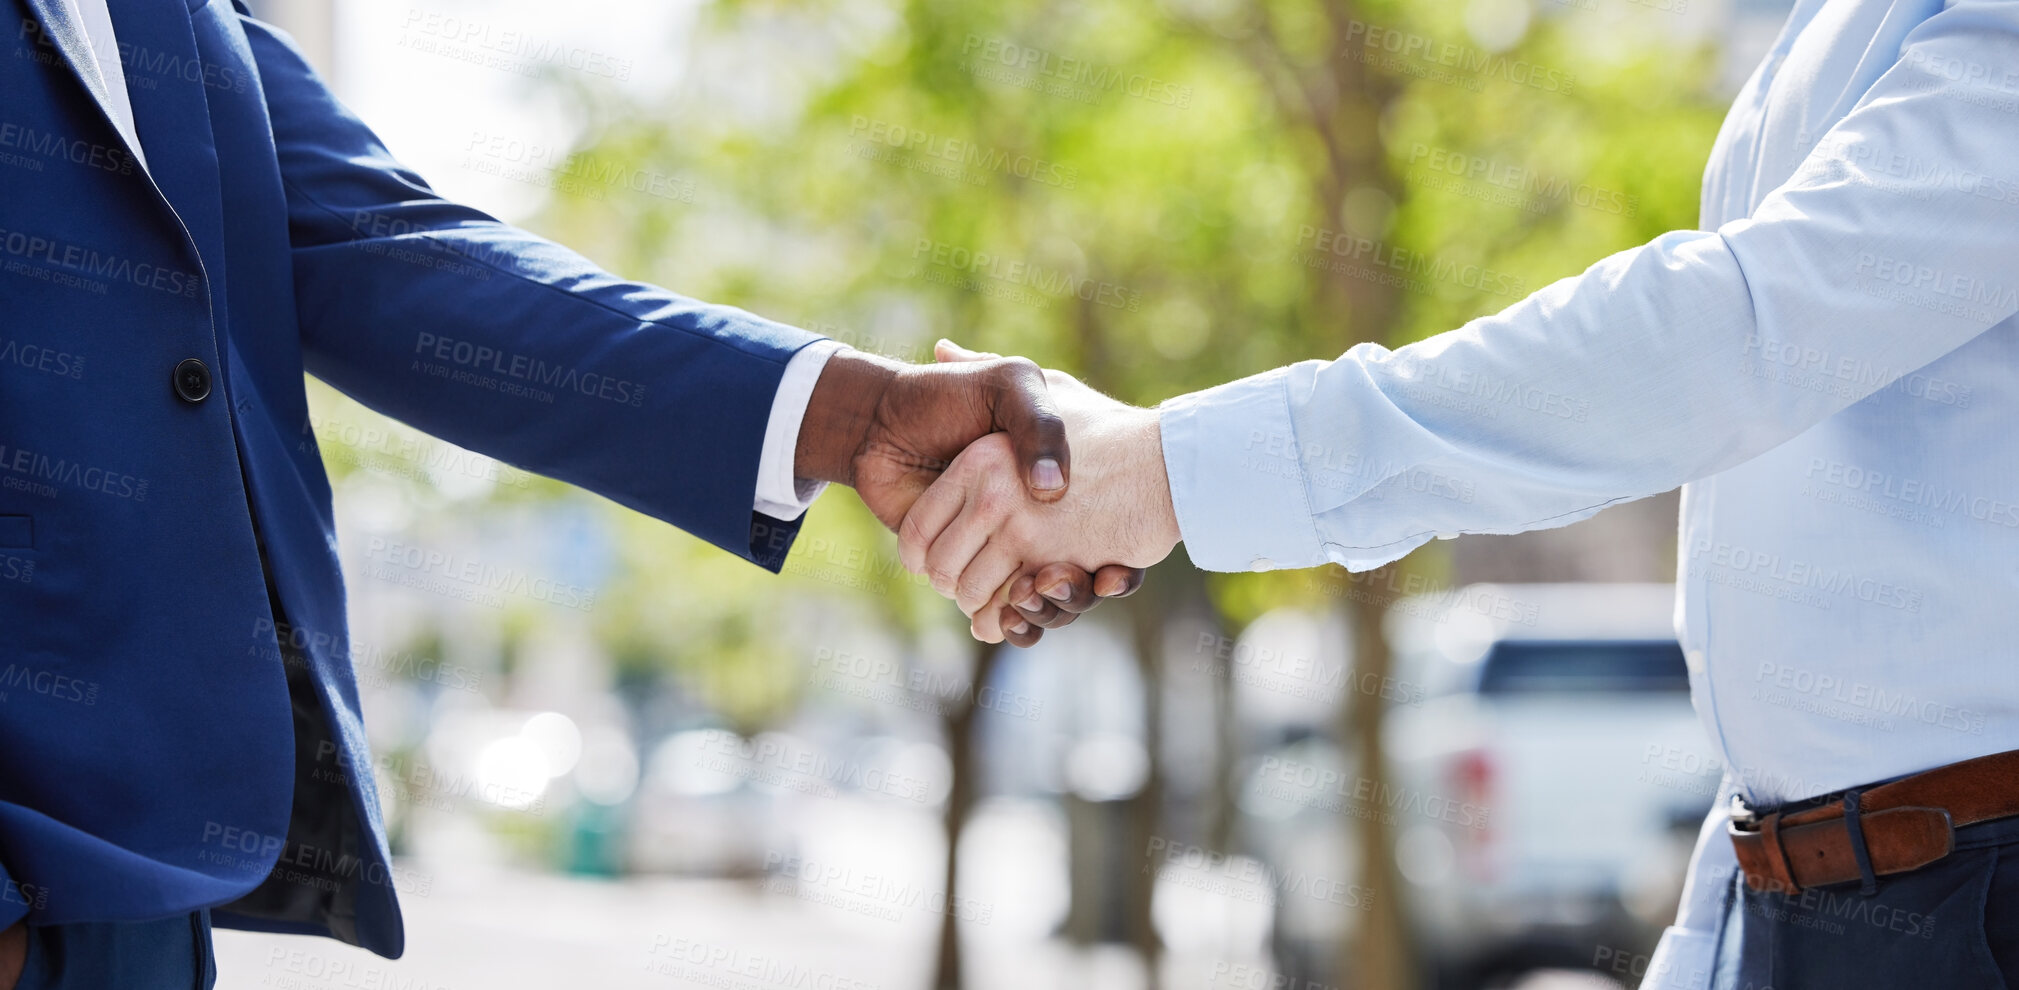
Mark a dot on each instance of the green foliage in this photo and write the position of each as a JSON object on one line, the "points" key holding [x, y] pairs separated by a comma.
{"points": [[1148, 195]]}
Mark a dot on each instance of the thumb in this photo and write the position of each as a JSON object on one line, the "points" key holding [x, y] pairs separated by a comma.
{"points": [[1020, 404], [947, 352]]}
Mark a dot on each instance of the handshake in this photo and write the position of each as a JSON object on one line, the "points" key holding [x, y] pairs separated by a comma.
{"points": [[968, 461]]}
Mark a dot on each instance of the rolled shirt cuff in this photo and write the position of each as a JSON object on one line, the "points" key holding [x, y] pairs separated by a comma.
{"points": [[1237, 483]]}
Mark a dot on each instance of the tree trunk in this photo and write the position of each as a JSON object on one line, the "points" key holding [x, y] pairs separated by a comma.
{"points": [[1379, 955], [960, 798], [1148, 611]]}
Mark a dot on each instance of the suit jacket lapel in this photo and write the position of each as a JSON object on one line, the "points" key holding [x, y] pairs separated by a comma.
{"points": [[63, 31], [166, 83]]}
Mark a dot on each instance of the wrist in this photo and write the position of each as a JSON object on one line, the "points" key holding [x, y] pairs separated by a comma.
{"points": [[839, 414], [1160, 517]]}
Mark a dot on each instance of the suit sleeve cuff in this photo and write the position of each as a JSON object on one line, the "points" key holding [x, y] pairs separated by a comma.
{"points": [[1237, 484], [780, 494]]}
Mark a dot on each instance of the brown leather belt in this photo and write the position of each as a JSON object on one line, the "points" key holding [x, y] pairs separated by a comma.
{"points": [[1903, 826]]}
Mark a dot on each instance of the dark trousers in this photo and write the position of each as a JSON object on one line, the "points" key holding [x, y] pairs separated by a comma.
{"points": [[1953, 925], [170, 954]]}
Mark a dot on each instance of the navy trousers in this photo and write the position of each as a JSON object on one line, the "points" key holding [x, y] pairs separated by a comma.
{"points": [[170, 954], [1952, 925]]}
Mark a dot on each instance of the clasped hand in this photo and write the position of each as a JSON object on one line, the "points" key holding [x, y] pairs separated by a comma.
{"points": [[984, 541]]}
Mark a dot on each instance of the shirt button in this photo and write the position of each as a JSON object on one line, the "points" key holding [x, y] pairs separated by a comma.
{"points": [[1262, 564], [192, 380]]}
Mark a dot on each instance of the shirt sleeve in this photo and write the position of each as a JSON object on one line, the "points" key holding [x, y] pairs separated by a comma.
{"points": [[781, 494], [1893, 243]]}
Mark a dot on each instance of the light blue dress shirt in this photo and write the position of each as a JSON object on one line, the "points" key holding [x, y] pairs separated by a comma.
{"points": [[1829, 368]]}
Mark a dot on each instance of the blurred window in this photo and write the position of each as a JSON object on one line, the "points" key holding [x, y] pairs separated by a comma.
{"points": [[1543, 666]]}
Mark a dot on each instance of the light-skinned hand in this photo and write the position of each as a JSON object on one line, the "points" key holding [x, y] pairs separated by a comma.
{"points": [[981, 538]]}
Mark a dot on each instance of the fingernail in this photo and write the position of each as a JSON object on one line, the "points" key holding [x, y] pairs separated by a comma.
{"points": [[1031, 603], [1021, 628], [1058, 592], [1046, 476]]}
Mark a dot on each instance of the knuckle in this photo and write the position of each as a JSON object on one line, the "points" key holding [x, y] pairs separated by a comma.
{"points": [[995, 498], [1020, 530], [1016, 368], [909, 536]]}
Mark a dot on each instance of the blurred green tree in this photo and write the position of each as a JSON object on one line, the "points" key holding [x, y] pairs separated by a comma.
{"points": [[1156, 196]]}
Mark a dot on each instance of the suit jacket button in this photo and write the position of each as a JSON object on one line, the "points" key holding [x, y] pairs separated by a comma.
{"points": [[192, 380]]}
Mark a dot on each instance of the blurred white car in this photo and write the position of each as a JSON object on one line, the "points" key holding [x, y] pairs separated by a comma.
{"points": [[1551, 779]]}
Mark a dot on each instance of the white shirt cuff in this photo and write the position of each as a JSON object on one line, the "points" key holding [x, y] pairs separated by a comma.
{"points": [[780, 494], [1237, 481]]}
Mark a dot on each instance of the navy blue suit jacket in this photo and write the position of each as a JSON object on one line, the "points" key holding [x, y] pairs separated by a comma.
{"points": [[146, 744]]}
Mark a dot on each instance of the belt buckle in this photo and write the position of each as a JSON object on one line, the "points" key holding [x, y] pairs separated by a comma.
{"points": [[1744, 817]]}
